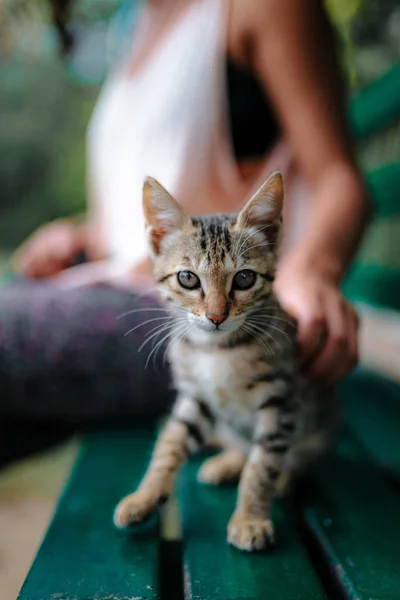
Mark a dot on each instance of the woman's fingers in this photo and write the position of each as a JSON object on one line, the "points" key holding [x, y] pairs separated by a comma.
{"points": [[311, 336], [307, 309], [339, 354], [333, 354], [327, 331], [350, 358]]}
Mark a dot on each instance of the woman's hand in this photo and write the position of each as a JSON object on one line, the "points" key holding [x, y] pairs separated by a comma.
{"points": [[327, 323], [50, 250]]}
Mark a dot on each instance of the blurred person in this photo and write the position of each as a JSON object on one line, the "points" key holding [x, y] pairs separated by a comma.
{"points": [[209, 97]]}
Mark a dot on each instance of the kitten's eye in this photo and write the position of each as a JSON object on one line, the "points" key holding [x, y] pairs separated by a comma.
{"points": [[244, 280], [188, 280]]}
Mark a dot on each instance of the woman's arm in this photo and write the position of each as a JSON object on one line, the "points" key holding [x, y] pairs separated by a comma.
{"points": [[293, 52], [295, 57]]}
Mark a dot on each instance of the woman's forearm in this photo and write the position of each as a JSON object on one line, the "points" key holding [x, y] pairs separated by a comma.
{"points": [[296, 58], [338, 216]]}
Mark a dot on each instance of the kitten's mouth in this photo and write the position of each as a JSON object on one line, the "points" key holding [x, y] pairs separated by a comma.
{"points": [[213, 329], [206, 329], [221, 329]]}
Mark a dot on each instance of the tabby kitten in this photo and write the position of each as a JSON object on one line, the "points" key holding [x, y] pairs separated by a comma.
{"points": [[233, 359]]}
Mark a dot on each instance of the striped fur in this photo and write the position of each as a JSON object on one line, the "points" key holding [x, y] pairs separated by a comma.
{"points": [[233, 357]]}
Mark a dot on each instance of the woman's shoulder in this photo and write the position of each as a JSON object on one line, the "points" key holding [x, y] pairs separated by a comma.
{"points": [[246, 23]]}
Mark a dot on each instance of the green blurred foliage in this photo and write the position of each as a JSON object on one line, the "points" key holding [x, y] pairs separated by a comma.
{"points": [[43, 117], [45, 108]]}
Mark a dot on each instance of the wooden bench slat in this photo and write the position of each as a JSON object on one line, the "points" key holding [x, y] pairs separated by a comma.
{"points": [[371, 405], [353, 518], [213, 570], [83, 556]]}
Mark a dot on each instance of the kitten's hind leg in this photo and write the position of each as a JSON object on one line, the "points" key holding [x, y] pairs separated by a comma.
{"points": [[286, 483], [184, 433], [226, 467]]}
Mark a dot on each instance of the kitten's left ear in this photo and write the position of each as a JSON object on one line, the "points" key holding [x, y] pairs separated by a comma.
{"points": [[163, 215], [265, 206]]}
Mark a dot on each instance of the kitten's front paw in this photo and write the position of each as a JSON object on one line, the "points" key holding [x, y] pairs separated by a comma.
{"points": [[135, 509], [250, 534]]}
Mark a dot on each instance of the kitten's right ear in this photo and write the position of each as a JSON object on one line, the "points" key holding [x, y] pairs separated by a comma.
{"points": [[265, 206], [163, 215]]}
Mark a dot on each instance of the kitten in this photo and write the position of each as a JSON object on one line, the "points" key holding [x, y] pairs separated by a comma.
{"points": [[233, 358]]}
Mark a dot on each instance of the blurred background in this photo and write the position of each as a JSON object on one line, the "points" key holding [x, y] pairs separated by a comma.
{"points": [[45, 103], [45, 106]]}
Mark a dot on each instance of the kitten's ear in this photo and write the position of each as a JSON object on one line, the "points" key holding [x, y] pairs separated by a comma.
{"points": [[265, 206], [163, 215]]}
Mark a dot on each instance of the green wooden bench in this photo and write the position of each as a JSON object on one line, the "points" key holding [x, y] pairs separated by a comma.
{"points": [[339, 540]]}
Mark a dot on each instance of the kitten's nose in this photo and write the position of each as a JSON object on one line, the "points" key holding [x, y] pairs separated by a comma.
{"points": [[217, 319]]}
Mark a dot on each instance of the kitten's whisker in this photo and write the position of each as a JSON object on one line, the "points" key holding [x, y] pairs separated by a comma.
{"points": [[154, 341], [161, 328], [146, 322], [175, 320], [177, 339], [254, 233], [241, 234], [176, 306], [256, 246], [253, 324], [273, 340], [137, 310], [157, 349], [275, 313], [170, 311], [266, 332], [247, 327], [273, 318], [270, 325], [249, 330], [158, 346], [276, 310], [165, 327]]}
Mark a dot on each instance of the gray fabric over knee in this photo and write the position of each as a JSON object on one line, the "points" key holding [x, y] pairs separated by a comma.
{"points": [[64, 354]]}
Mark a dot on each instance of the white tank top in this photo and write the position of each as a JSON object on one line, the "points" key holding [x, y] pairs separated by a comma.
{"points": [[166, 120]]}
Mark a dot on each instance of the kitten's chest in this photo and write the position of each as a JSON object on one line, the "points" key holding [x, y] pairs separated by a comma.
{"points": [[221, 378]]}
